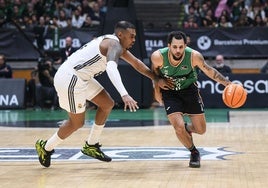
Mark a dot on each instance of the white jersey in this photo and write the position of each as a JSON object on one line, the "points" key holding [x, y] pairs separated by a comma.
{"points": [[88, 62]]}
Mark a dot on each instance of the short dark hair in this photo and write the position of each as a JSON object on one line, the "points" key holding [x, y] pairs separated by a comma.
{"points": [[124, 25], [176, 35]]}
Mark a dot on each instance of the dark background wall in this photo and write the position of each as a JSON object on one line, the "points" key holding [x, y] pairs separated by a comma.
{"points": [[138, 86]]}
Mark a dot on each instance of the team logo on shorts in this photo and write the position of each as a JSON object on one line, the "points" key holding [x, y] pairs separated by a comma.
{"points": [[81, 105]]}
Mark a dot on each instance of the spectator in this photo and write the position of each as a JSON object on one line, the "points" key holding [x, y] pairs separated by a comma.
{"points": [[30, 9], [188, 40], [197, 8], [87, 23], [40, 32], [237, 6], [204, 9], [31, 88], [222, 5], [258, 21], [85, 7], [5, 69], [220, 65], [16, 15], [192, 17], [48, 7], [244, 20], [102, 6], [96, 14], [77, 18], [223, 22], [228, 16], [211, 4], [74, 4], [209, 20], [63, 5], [25, 22], [67, 51], [62, 19], [45, 91], [190, 23], [255, 10]]}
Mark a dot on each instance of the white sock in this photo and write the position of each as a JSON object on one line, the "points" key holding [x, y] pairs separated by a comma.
{"points": [[52, 142], [95, 133]]}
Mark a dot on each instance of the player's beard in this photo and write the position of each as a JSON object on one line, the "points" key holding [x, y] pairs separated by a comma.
{"points": [[177, 58]]}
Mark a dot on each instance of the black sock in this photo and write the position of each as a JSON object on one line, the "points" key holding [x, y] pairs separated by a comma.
{"points": [[193, 149]]}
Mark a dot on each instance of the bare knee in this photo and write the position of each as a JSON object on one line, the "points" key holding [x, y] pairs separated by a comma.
{"points": [[201, 130], [179, 129], [74, 126], [68, 127], [107, 105]]}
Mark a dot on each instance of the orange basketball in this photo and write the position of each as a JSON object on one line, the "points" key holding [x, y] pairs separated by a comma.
{"points": [[234, 95]]}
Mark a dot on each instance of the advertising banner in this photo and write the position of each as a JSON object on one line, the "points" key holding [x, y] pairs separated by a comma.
{"points": [[12, 93], [24, 46], [256, 86], [15, 46], [230, 42]]}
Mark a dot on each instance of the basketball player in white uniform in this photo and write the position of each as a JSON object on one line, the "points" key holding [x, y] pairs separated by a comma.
{"points": [[75, 83]]}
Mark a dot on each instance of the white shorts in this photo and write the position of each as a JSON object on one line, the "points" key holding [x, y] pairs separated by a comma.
{"points": [[74, 92]]}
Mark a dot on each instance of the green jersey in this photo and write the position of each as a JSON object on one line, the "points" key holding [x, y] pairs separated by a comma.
{"points": [[183, 74]]}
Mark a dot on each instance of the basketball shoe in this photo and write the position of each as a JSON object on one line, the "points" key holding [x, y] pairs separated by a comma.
{"points": [[195, 159], [43, 155], [95, 152]]}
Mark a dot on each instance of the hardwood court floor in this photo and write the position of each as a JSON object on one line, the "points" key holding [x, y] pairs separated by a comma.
{"points": [[234, 155]]}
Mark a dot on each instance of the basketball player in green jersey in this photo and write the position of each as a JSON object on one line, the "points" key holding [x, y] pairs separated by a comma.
{"points": [[178, 63]]}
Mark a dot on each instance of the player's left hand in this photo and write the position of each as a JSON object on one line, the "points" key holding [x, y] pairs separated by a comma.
{"points": [[130, 103]]}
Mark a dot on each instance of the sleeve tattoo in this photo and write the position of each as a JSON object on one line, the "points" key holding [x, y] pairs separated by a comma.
{"points": [[215, 75]]}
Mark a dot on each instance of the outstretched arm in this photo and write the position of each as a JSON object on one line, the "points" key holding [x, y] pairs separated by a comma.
{"points": [[114, 51], [138, 65], [143, 69]]}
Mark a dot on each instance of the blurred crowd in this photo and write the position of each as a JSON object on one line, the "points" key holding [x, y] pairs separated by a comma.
{"points": [[29, 14], [225, 13]]}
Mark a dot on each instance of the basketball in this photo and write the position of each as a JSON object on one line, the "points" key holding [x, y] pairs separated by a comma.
{"points": [[234, 95]]}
